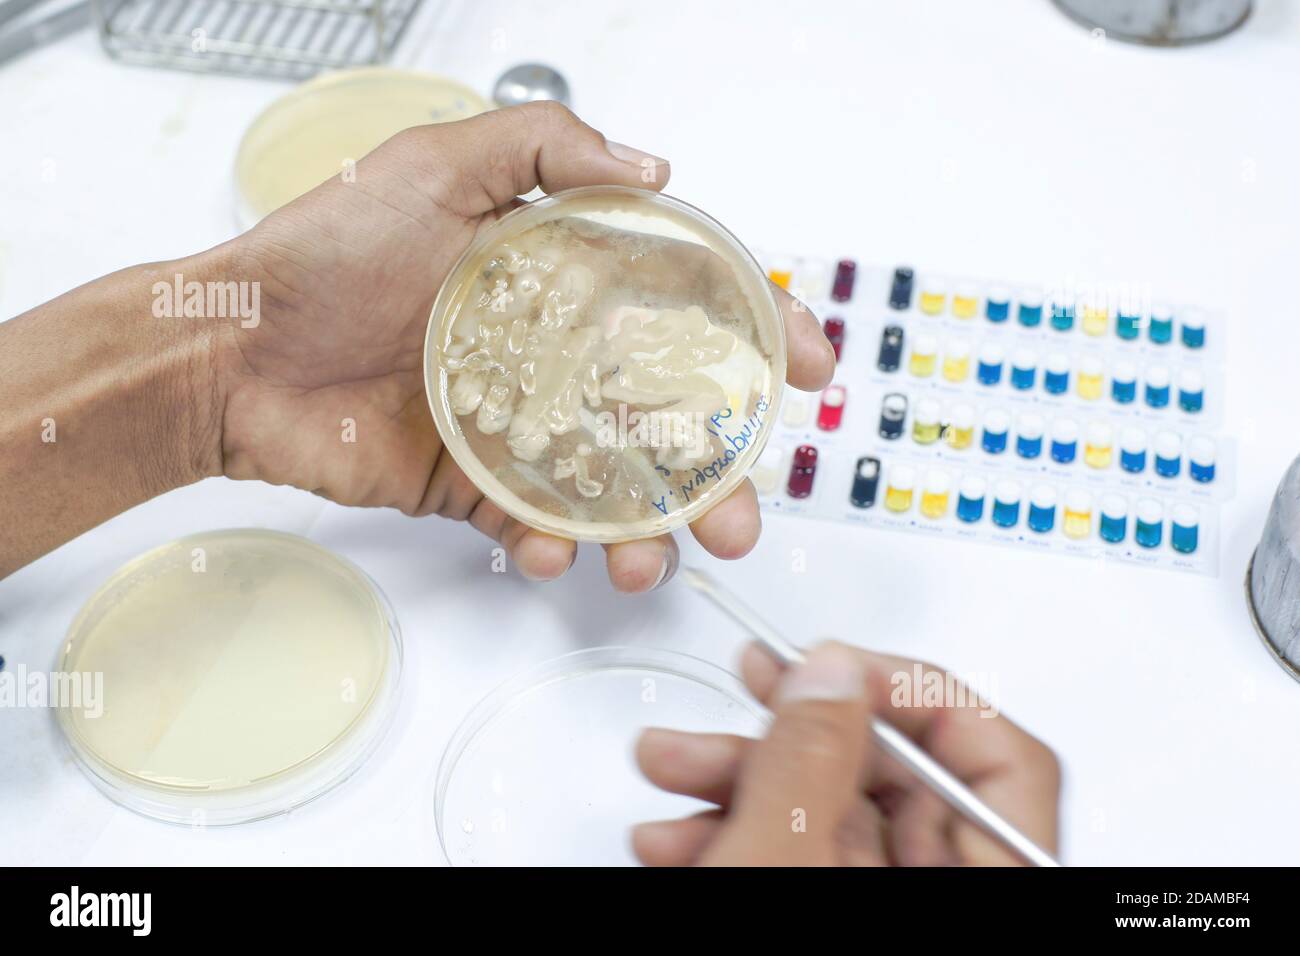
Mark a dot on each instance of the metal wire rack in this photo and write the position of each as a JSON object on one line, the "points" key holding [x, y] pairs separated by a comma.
{"points": [[290, 39]]}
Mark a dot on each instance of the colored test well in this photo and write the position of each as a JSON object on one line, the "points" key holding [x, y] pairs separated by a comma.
{"points": [[1006, 504], [1148, 524], [1094, 317], [1191, 390], [1184, 529], [794, 411], [1062, 316], [1056, 373], [965, 301], [834, 331], [900, 289], [960, 430], [891, 349], [1155, 390], [1133, 450], [900, 487], [1123, 383], [831, 412], [925, 348], [1029, 435], [1098, 445], [993, 436], [1029, 311], [997, 307], [1065, 440], [956, 361], [1168, 454], [846, 271], [1113, 527], [926, 426], [1200, 459], [934, 295], [988, 368], [866, 482], [803, 470], [1024, 369], [1160, 330], [1192, 329], [1076, 521], [1042, 509], [1090, 380], [970, 499], [1128, 321], [934, 494], [893, 415], [769, 470]]}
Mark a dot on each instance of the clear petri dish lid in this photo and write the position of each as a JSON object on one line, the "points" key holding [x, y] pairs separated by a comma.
{"points": [[604, 363], [542, 771], [312, 132], [230, 676]]}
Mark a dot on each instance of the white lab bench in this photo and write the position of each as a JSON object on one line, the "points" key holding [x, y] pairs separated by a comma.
{"points": [[994, 140]]}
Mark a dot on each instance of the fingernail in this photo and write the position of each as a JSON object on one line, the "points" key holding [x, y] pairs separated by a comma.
{"points": [[831, 672], [626, 154], [669, 566]]}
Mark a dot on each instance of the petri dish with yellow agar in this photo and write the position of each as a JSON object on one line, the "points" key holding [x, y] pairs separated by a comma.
{"points": [[604, 363], [316, 130], [242, 674], [542, 771]]}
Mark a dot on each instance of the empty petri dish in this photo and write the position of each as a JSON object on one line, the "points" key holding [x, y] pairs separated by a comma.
{"points": [[542, 771], [317, 129], [604, 363], [239, 674]]}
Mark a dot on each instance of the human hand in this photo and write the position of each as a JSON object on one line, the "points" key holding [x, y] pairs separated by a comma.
{"points": [[348, 275], [818, 768]]}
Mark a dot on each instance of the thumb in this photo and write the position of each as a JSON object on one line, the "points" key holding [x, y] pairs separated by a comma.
{"points": [[506, 153], [805, 778]]}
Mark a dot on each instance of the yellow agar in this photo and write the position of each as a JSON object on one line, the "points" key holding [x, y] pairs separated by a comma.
{"points": [[932, 302], [956, 369], [898, 499], [921, 365], [934, 504], [1078, 524]]}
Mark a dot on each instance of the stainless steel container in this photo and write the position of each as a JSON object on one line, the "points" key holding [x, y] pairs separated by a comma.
{"points": [[1159, 22], [1273, 577]]}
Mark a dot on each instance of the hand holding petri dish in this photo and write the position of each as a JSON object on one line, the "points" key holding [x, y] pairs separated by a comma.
{"points": [[602, 363]]}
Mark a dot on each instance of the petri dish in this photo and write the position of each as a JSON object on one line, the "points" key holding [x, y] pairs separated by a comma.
{"points": [[238, 675], [315, 130], [604, 363], [542, 772]]}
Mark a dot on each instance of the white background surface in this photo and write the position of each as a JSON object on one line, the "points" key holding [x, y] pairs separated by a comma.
{"points": [[981, 139]]}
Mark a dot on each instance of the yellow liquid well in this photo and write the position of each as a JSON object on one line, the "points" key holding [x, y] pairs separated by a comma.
{"points": [[934, 504], [1094, 321], [956, 369], [932, 302], [964, 307], [1098, 456], [1077, 524], [780, 277], [922, 366], [960, 438], [227, 658], [925, 434], [898, 499], [1090, 386]]}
